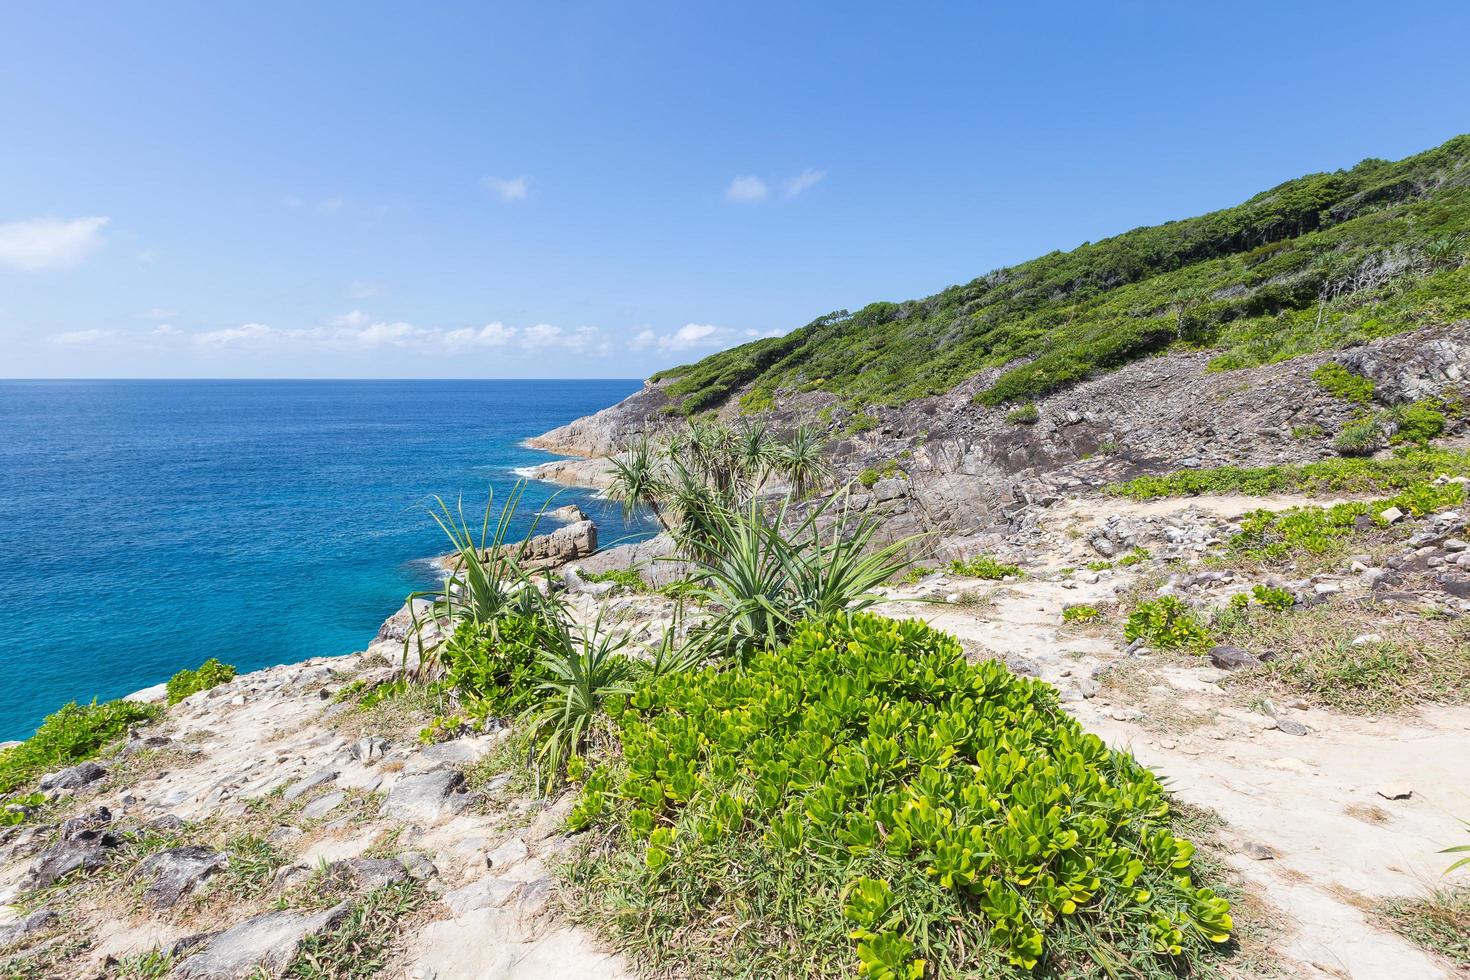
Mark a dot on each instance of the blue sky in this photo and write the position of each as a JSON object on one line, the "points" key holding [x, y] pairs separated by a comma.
{"points": [[602, 189]]}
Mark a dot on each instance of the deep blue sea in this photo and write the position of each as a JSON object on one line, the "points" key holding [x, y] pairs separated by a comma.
{"points": [[148, 525]]}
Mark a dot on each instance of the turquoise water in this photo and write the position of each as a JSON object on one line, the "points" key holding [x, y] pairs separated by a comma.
{"points": [[147, 525]]}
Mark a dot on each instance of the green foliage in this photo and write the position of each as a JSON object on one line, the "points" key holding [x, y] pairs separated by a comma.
{"points": [[1339, 382], [984, 566], [70, 735], [1100, 565], [1312, 264], [627, 579], [18, 809], [1135, 557], [1273, 598], [1459, 849], [1027, 414], [356, 947], [1406, 468], [1418, 423], [1167, 623], [1278, 536], [872, 475], [1360, 437], [1081, 614], [1439, 922], [865, 779], [211, 673]]}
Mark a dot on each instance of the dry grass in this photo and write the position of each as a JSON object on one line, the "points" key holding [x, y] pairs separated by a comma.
{"points": [[1440, 922], [1419, 660], [1135, 683]]}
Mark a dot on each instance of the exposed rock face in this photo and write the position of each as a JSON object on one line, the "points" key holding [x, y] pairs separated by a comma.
{"points": [[570, 514], [428, 797], [74, 778], [86, 845], [607, 431], [174, 873], [265, 942], [553, 550]]}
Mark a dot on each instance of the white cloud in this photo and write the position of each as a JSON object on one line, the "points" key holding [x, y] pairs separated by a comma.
{"points": [[509, 188], [689, 336], [82, 338], [802, 181], [165, 329], [247, 334], [694, 336], [747, 189], [48, 243], [490, 335], [359, 331], [644, 340]]}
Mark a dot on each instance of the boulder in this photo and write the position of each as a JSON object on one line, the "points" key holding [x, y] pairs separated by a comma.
{"points": [[176, 872], [86, 851], [38, 921], [266, 943], [565, 544], [426, 797], [1228, 657], [82, 774], [570, 514]]}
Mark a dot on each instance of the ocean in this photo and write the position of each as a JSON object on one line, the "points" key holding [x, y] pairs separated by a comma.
{"points": [[148, 525]]}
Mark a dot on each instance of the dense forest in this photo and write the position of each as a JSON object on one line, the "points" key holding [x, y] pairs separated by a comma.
{"points": [[1317, 262]]}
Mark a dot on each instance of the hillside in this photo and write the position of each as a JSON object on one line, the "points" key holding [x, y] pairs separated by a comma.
{"points": [[1316, 263]]}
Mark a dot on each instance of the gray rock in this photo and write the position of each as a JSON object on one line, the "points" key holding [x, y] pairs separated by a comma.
{"points": [[511, 852], [551, 819], [86, 851], [418, 865], [368, 750], [426, 797], [323, 805], [1257, 851], [267, 942], [1456, 585], [1228, 657], [83, 774], [38, 921], [176, 872], [303, 786], [487, 893], [368, 873]]}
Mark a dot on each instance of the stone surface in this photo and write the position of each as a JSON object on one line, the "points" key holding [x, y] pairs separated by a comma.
{"points": [[487, 893], [82, 774], [266, 942], [323, 805], [1228, 657], [174, 873], [38, 921], [426, 797], [303, 786]]}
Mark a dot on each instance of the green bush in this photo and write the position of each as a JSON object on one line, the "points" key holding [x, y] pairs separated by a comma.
{"points": [[1273, 598], [1027, 414], [1406, 468], [865, 781], [1418, 423], [624, 578], [1167, 623], [211, 673], [1279, 536], [1360, 437], [493, 665], [1081, 614], [1135, 557], [1339, 382], [984, 566], [70, 735]]}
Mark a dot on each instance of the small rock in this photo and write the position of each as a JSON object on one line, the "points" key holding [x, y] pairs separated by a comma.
{"points": [[1395, 791], [418, 865], [369, 873], [368, 750], [323, 805], [511, 852], [1257, 851], [1228, 657], [1367, 639], [1391, 516], [1455, 544], [550, 820], [487, 893], [426, 797], [303, 786], [38, 921], [266, 942]]}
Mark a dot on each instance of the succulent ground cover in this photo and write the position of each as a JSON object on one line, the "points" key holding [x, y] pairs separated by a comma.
{"points": [[863, 799]]}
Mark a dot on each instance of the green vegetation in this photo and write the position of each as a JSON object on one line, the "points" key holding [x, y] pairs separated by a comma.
{"points": [[865, 787], [1312, 264], [1458, 849], [984, 566], [1167, 623], [626, 579], [211, 673], [1278, 536], [70, 735], [1135, 557], [1081, 614], [1360, 437], [1439, 923], [1348, 476], [357, 947], [18, 809], [871, 475], [1273, 598], [1339, 382], [1027, 414], [1418, 423]]}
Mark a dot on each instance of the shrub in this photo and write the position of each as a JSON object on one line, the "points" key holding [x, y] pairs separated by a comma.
{"points": [[1275, 536], [1418, 423], [1080, 614], [1165, 622], [1027, 414], [1407, 467], [984, 566], [493, 665], [70, 735], [211, 673], [1359, 438], [866, 780], [1273, 598], [1134, 557], [624, 578], [1339, 382]]}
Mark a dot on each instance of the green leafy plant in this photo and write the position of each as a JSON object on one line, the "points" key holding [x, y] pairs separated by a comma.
{"points": [[626, 579], [1407, 467], [1339, 382], [1081, 614], [1135, 557], [1167, 623], [984, 566], [18, 809], [1273, 598], [1418, 423], [1360, 437], [71, 734], [210, 674], [1459, 849], [1027, 414], [866, 779]]}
